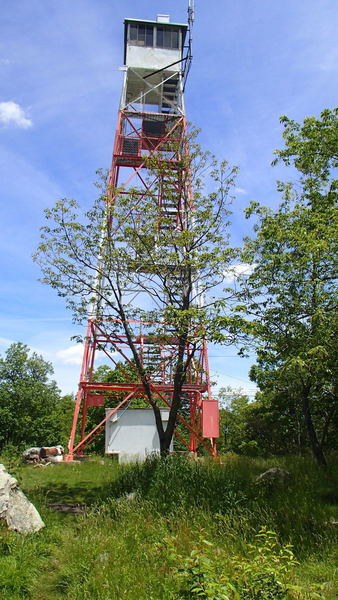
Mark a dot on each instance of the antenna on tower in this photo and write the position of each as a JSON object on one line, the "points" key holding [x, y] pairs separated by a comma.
{"points": [[191, 12], [191, 18]]}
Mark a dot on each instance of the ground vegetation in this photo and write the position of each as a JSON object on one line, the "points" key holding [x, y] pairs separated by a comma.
{"points": [[175, 529]]}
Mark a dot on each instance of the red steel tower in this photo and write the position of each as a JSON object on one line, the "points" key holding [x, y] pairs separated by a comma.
{"points": [[151, 122]]}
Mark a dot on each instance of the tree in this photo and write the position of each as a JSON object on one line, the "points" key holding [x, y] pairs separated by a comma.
{"points": [[28, 399], [248, 428], [131, 244], [290, 296], [61, 417], [233, 404]]}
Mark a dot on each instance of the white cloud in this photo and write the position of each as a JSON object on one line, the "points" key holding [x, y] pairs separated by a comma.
{"points": [[12, 114], [237, 271], [72, 355], [240, 190]]}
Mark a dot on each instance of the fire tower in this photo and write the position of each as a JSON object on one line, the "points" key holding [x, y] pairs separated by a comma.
{"points": [[151, 122]]}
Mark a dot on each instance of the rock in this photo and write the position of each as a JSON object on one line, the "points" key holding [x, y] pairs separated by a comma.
{"points": [[130, 497], [74, 509], [31, 455], [104, 557], [19, 514], [331, 523], [273, 474], [52, 453], [45, 454]]}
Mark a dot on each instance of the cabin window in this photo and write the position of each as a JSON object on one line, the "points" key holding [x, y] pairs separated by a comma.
{"points": [[166, 37], [141, 35]]}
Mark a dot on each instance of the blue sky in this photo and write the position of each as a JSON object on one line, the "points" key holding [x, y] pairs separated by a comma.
{"points": [[59, 92]]}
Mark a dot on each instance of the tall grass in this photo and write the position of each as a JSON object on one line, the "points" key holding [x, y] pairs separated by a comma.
{"points": [[133, 546], [230, 494]]}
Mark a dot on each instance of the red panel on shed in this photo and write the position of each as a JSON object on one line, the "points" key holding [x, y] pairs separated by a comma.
{"points": [[210, 419]]}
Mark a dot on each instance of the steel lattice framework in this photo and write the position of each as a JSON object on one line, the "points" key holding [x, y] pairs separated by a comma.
{"points": [[151, 124]]}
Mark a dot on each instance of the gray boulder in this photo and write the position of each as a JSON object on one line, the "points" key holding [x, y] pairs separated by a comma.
{"points": [[273, 475], [19, 514]]}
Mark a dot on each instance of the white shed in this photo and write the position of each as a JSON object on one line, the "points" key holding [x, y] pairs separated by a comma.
{"points": [[132, 435]]}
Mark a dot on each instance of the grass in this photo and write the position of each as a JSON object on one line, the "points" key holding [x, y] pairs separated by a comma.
{"points": [[183, 517]]}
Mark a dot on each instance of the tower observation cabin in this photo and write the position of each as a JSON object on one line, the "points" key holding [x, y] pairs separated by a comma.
{"points": [[155, 65]]}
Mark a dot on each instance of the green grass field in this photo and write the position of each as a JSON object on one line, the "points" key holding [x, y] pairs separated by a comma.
{"points": [[189, 530]]}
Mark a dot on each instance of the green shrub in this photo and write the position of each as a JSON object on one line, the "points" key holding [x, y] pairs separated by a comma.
{"points": [[209, 573]]}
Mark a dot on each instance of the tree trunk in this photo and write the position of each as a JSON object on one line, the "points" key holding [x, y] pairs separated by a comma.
{"points": [[179, 378], [315, 446], [326, 426], [165, 440]]}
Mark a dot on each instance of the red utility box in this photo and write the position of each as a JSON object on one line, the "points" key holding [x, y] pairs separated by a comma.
{"points": [[210, 419]]}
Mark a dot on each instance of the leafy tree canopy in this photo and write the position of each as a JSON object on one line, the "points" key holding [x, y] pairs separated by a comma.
{"points": [[28, 399], [291, 294], [128, 259]]}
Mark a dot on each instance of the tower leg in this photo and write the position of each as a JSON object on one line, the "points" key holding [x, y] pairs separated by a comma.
{"points": [[213, 447], [83, 420], [70, 456]]}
